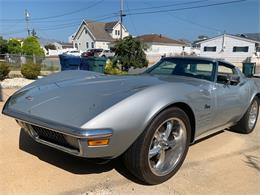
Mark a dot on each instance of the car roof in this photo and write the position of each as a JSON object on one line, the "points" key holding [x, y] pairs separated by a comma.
{"points": [[200, 58]]}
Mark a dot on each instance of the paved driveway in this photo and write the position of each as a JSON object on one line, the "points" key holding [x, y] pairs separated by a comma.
{"points": [[227, 163]]}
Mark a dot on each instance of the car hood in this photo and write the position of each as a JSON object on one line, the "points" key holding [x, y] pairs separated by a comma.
{"points": [[75, 97]]}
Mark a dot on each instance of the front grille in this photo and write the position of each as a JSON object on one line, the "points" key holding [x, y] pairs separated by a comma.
{"points": [[55, 137]]}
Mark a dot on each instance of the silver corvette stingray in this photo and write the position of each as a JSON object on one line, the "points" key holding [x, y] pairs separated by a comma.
{"points": [[149, 119]]}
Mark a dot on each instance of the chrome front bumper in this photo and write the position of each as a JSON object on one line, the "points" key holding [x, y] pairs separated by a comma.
{"points": [[72, 144], [76, 138]]}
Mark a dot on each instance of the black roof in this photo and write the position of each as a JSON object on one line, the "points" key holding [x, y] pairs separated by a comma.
{"points": [[199, 58], [252, 36]]}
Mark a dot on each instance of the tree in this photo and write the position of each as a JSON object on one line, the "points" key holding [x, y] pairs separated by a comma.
{"points": [[31, 46], [129, 53], [14, 46], [50, 46], [3, 46]]}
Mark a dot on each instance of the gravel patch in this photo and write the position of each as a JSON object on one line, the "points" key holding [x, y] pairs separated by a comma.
{"points": [[15, 83]]}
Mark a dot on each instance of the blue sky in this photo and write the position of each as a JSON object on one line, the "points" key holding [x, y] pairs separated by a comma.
{"points": [[63, 16]]}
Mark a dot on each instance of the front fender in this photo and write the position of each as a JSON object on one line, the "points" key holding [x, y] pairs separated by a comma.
{"points": [[130, 117]]}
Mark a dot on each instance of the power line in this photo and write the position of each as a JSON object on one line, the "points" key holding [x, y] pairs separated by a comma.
{"points": [[195, 23], [168, 5], [59, 27], [185, 8], [72, 12], [61, 20], [191, 22], [94, 3]]}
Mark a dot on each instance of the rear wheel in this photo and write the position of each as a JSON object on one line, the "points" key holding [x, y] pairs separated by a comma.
{"points": [[248, 122], [161, 149]]}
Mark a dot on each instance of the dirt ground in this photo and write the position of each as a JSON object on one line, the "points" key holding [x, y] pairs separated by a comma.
{"points": [[226, 163]]}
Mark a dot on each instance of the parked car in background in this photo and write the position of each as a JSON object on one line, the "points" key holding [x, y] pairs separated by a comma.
{"points": [[92, 52], [149, 119], [106, 53], [73, 53]]}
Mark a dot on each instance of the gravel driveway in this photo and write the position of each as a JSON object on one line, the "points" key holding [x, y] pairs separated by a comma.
{"points": [[226, 163]]}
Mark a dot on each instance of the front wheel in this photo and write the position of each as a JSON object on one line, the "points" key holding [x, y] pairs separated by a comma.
{"points": [[161, 149], [248, 122]]}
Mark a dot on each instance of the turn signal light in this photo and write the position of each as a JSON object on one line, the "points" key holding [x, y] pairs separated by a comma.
{"points": [[98, 142]]}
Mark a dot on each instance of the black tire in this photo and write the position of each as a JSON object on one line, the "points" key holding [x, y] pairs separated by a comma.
{"points": [[243, 125], [136, 157]]}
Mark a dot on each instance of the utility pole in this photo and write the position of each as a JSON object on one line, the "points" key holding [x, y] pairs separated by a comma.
{"points": [[121, 18], [27, 17]]}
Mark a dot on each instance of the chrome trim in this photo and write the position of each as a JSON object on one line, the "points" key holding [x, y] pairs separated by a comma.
{"points": [[60, 128], [53, 145]]}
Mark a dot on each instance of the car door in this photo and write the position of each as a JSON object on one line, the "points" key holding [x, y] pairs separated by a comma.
{"points": [[202, 99], [229, 96]]}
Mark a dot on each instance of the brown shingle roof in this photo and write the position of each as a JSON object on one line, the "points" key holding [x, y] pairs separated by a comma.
{"points": [[155, 38], [110, 25], [98, 29]]}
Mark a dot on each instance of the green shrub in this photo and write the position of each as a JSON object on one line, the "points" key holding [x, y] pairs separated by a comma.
{"points": [[112, 69], [4, 71], [31, 71]]}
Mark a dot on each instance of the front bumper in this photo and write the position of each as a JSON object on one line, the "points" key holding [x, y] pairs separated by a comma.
{"points": [[72, 140]]}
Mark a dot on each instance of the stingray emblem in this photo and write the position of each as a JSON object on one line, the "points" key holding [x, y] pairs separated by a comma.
{"points": [[30, 98]]}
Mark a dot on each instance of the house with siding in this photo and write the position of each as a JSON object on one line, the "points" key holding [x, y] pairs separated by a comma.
{"points": [[158, 45], [91, 34], [233, 48]]}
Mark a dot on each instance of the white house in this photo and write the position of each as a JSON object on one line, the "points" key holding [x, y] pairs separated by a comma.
{"points": [[158, 45], [61, 47], [233, 48], [92, 34]]}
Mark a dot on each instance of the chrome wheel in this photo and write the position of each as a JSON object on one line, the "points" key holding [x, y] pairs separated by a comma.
{"points": [[167, 146], [253, 115]]}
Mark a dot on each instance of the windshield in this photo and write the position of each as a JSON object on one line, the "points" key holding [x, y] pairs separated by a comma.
{"points": [[184, 67]]}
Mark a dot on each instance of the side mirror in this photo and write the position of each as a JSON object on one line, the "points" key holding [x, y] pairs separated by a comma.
{"points": [[233, 79], [229, 79]]}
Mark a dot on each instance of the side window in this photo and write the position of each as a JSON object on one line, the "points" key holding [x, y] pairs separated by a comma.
{"points": [[200, 70], [226, 72]]}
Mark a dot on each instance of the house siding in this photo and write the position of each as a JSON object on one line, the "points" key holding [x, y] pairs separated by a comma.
{"points": [[224, 49], [102, 44], [166, 49], [156, 50], [82, 39], [117, 28]]}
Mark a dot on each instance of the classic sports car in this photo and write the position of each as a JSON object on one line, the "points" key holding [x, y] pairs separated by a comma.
{"points": [[149, 119]]}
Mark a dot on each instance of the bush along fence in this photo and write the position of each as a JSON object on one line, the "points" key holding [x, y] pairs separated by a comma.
{"points": [[15, 62]]}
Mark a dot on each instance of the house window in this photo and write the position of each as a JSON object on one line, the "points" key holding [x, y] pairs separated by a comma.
{"points": [[76, 45], [211, 49], [86, 31], [87, 45], [240, 49], [117, 32], [92, 44]]}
